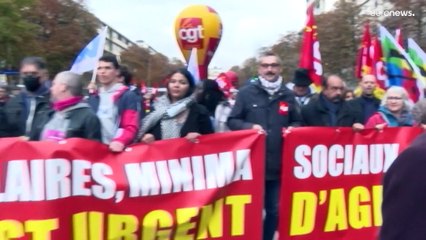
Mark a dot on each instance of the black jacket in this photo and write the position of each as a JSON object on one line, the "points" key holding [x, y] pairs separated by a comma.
{"points": [[198, 120], [4, 125], [18, 110], [315, 113], [404, 195], [83, 123], [255, 106], [358, 107]]}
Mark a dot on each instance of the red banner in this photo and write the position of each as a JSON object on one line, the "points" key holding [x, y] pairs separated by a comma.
{"points": [[331, 185], [171, 189]]}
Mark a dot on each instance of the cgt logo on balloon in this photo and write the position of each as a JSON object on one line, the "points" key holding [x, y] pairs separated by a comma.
{"points": [[200, 27], [191, 32]]}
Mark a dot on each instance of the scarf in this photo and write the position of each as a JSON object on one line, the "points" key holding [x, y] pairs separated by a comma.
{"points": [[405, 119], [61, 105], [166, 112], [271, 87], [333, 109]]}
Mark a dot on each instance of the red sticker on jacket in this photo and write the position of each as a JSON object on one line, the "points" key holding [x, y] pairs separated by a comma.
{"points": [[283, 108]]}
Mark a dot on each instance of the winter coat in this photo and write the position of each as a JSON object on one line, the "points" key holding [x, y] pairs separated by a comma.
{"points": [[127, 118], [77, 121], [359, 107], [4, 125], [385, 116], [404, 195], [198, 120], [20, 113], [255, 106], [315, 113]]}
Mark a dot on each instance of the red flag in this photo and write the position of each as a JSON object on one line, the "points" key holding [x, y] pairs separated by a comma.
{"points": [[398, 37], [377, 63], [310, 57], [364, 61]]}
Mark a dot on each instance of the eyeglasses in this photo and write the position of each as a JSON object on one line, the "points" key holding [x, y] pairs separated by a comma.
{"points": [[394, 98], [266, 65]]}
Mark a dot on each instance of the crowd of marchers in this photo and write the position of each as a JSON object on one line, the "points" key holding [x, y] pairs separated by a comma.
{"points": [[115, 112]]}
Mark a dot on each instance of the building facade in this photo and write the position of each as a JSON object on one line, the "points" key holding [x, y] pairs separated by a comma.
{"points": [[115, 42]]}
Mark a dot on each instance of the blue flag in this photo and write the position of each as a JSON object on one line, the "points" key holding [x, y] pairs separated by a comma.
{"points": [[88, 57]]}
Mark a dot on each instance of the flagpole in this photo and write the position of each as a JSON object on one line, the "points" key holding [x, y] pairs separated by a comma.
{"points": [[100, 50], [93, 80]]}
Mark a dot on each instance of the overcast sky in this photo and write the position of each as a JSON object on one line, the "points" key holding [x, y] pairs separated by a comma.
{"points": [[247, 24]]}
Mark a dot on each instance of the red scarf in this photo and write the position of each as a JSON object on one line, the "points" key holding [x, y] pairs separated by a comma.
{"points": [[61, 105]]}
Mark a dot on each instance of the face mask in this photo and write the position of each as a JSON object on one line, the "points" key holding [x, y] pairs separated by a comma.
{"points": [[32, 83]]}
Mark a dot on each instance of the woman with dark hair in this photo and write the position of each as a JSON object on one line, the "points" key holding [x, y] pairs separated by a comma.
{"points": [[210, 96], [176, 114], [348, 94]]}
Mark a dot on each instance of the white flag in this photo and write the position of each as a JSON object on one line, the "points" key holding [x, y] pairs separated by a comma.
{"points": [[88, 58], [193, 66]]}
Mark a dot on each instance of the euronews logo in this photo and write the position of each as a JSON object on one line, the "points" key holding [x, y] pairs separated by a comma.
{"points": [[391, 13]]}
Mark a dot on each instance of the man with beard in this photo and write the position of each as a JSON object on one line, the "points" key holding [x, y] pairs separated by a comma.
{"points": [[268, 106], [367, 104], [328, 108], [25, 111]]}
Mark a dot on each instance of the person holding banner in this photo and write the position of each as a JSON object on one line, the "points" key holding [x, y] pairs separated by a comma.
{"points": [[267, 105], [329, 108], [72, 118], [395, 110], [115, 105], [24, 111], [176, 114]]}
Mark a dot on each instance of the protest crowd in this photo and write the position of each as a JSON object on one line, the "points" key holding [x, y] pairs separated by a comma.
{"points": [[113, 111]]}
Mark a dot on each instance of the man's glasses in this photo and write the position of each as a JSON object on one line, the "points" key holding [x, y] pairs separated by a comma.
{"points": [[266, 65]]}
